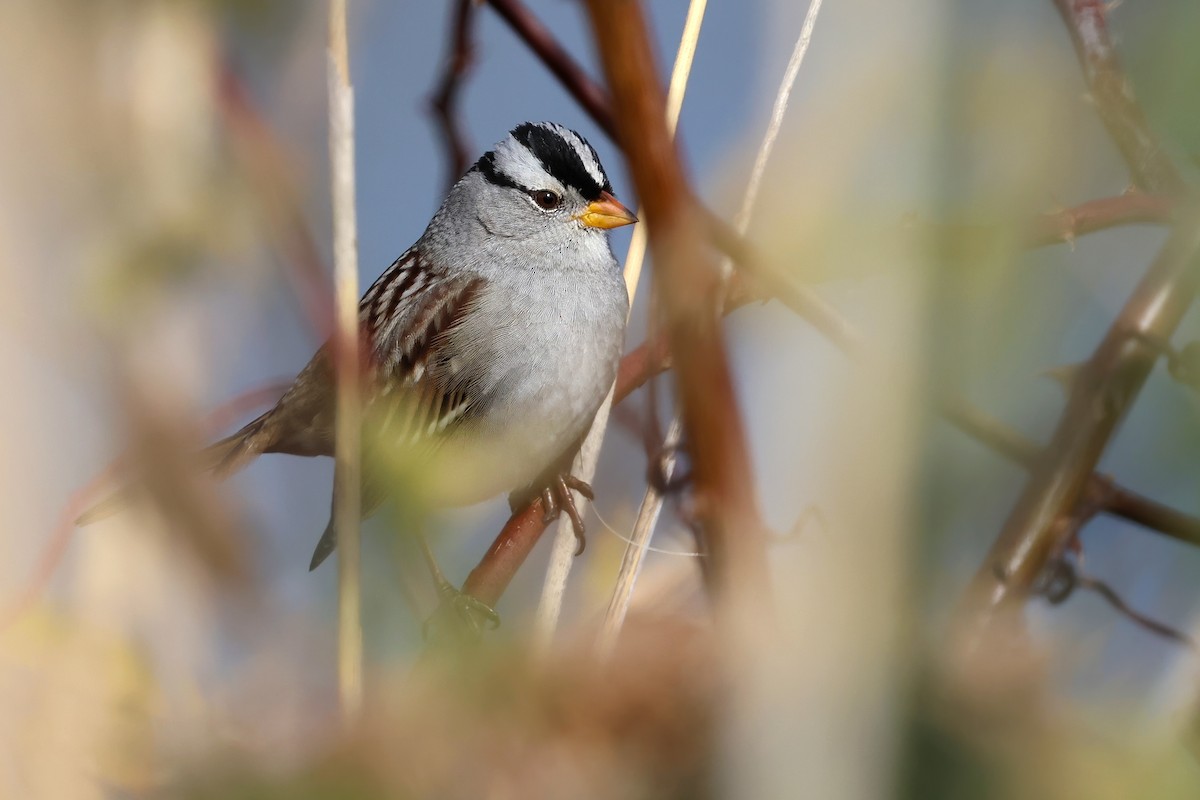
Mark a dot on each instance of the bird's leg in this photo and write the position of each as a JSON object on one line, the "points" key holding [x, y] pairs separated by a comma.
{"points": [[556, 498], [467, 617]]}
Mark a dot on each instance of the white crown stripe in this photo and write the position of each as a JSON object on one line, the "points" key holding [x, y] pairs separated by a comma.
{"points": [[585, 152]]}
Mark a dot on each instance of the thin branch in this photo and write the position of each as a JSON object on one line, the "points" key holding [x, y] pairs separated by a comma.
{"points": [[563, 554], [587, 92], [734, 540], [635, 549], [1102, 491], [444, 100], [782, 97], [1109, 382], [1100, 396], [652, 500], [1066, 578], [1112, 93], [347, 511], [1109, 212]]}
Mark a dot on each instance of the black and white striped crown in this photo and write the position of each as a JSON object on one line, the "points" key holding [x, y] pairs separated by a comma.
{"points": [[535, 149]]}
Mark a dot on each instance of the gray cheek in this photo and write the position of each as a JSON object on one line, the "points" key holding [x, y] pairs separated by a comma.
{"points": [[496, 223]]}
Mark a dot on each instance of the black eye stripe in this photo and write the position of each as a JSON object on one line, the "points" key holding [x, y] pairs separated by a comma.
{"points": [[487, 166]]}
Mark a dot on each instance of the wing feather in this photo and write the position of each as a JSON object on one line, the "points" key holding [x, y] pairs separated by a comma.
{"points": [[410, 314]]}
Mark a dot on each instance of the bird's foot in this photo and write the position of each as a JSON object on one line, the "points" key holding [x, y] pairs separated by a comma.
{"points": [[556, 498], [459, 617]]}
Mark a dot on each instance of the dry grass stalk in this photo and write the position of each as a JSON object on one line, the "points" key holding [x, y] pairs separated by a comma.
{"points": [[346, 490]]}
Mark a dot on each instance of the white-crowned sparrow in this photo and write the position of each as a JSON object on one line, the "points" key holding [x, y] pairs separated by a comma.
{"points": [[492, 341]]}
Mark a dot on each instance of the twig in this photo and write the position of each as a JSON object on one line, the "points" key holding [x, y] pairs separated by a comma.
{"points": [[1099, 398], [444, 100], [782, 97], [651, 504], [563, 554], [1102, 491], [635, 550], [733, 540], [1096, 215], [1112, 93], [562, 65], [1066, 578], [346, 491], [1110, 380]]}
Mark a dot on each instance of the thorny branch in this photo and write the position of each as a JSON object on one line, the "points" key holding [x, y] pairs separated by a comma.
{"points": [[1109, 381], [1096, 215], [652, 357], [1112, 92], [1102, 492]]}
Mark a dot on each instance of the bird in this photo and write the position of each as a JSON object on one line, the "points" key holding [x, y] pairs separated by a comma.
{"points": [[490, 343]]}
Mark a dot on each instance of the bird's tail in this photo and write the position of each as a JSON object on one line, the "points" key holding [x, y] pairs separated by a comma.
{"points": [[222, 459]]}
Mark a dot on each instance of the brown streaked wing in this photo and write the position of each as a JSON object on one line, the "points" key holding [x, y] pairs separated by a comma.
{"points": [[410, 402]]}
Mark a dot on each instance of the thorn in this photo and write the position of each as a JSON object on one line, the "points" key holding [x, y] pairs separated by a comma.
{"points": [[1184, 365], [1064, 375], [810, 516]]}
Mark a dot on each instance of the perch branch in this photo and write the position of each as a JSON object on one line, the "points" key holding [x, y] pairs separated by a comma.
{"points": [[1112, 93]]}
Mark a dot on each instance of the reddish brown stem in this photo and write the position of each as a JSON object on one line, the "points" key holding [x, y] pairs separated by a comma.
{"points": [[444, 101], [508, 552], [1108, 212], [688, 284], [589, 94]]}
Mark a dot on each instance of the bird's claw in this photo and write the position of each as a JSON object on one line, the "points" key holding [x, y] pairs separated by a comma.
{"points": [[459, 617], [556, 498]]}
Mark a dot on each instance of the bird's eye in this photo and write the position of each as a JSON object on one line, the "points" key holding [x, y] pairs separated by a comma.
{"points": [[545, 199]]}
